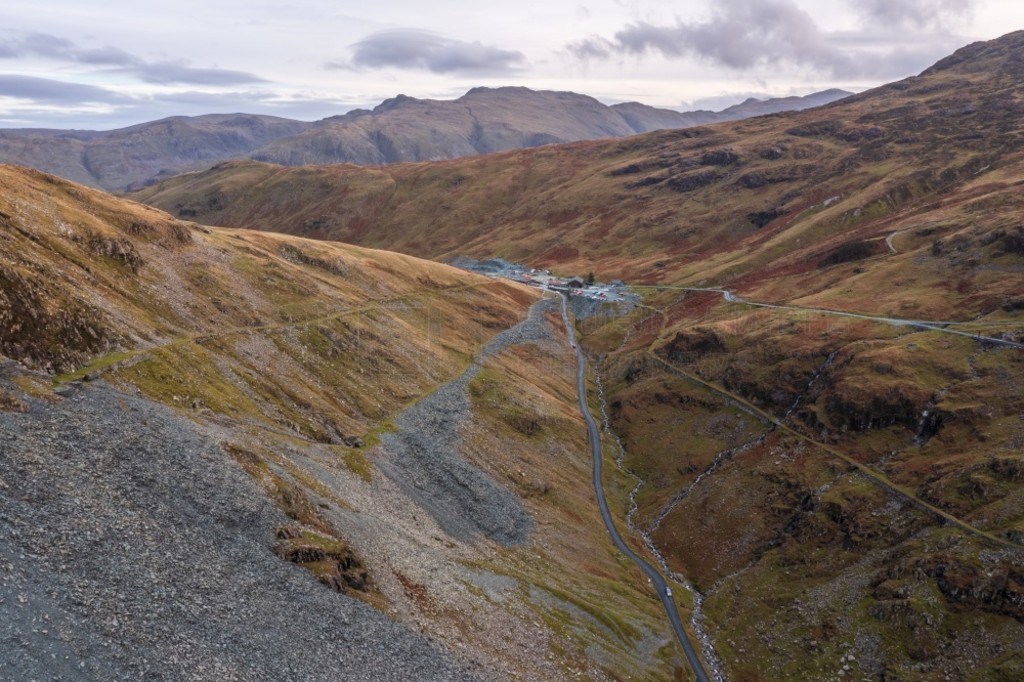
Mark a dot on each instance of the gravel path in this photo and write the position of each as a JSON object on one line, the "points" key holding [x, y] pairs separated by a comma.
{"points": [[133, 548], [422, 455]]}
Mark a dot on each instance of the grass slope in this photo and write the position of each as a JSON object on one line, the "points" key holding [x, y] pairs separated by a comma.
{"points": [[296, 355]]}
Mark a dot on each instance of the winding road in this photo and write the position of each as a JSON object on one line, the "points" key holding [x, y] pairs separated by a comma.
{"points": [[659, 582], [926, 325]]}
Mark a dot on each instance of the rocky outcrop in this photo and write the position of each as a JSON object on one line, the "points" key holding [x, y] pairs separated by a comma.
{"points": [[877, 411], [688, 346], [333, 562], [997, 588], [42, 335]]}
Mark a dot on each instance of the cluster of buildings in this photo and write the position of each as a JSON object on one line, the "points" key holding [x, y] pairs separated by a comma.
{"points": [[574, 286]]}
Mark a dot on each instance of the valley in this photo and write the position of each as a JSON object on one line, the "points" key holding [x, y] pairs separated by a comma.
{"points": [[815, 497], [788, 444]]}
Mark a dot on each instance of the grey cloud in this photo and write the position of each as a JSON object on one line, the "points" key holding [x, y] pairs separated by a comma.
{"points": [[53, 104], [743, 34], [240, 100], [181, 72], [253, 102], [45, 90], [54, 47], [592, 48], [46, 45], [913, 13], [105, 56], [412, 49]]}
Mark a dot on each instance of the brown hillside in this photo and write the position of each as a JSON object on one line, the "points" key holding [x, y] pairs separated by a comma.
{"points": [[307, 364]]}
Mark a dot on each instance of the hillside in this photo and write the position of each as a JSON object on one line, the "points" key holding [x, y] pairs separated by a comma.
{"points": [[399, 129], [820, 394], [118, 159], [232, 454]]}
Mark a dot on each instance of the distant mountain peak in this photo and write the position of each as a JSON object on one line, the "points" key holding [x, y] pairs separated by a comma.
{"points": [[975, 56], [401, 128], [393, 103]]}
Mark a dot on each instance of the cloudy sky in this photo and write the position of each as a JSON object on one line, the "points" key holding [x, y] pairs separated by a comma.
{"points": [[109, 63]]}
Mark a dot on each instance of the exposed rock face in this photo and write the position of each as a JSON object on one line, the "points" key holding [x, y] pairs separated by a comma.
{"points": [[40, 334], [873, 412], [997, 588], [686, 346], [332, 562]]}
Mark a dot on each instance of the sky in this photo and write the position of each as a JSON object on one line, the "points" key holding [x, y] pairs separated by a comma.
{"points": [[110, 63]]}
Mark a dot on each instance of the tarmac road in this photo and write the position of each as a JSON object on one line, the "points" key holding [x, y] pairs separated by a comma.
{"points": [[926, 325], [660, 585]]}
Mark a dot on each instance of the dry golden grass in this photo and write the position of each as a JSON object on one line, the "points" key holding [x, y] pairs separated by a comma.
{"points": [[289, 349]]}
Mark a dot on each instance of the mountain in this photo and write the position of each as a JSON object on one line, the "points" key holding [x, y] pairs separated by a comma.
{"points": [[118, 159], [400, 129], [481, 121], [236, 455], [644, 119], [820, 393], [776, 105], [486, 120]]}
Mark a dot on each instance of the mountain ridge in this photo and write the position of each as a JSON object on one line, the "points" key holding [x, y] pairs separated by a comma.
{"points": [[136, 155], [487, 120]]}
